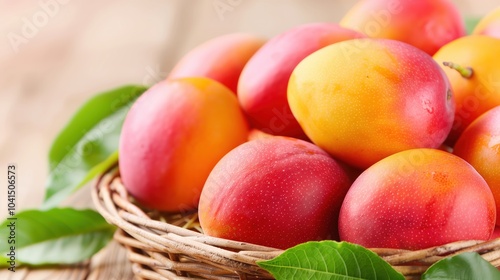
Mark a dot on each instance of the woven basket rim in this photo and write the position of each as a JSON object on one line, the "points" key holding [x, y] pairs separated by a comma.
{"points": [[160, 250]]}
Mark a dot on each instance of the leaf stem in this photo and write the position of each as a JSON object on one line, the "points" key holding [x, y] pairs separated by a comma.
{"points": [[465, 72]]}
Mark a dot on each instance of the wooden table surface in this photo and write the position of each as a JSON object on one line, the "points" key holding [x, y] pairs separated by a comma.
{"points": [[55, 54]]}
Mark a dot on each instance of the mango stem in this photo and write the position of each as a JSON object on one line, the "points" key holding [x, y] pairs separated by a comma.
{"points": [[465, 72]]}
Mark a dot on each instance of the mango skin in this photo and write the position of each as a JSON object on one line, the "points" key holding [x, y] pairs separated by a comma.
{"points": [[364, 99], [425, 24], [275, 191], [262, 86], [173, 136], [489, 25], [480, 92], [221, 58], [479, 145], [417, 199]]}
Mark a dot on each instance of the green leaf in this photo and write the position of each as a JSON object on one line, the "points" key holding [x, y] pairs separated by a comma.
{"points": [[88, 144], [55, 236], [465, 266], [329, 260], [470, 23]]}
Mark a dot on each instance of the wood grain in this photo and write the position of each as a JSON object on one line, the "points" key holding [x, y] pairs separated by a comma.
{"points": [[111, 263], [77, 272]]}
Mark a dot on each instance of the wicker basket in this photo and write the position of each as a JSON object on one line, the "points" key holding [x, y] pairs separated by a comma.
{"points": [[172, 246]]}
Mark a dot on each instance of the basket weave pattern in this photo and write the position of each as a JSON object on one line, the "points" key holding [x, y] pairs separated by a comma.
{"points": [[172, 246]]}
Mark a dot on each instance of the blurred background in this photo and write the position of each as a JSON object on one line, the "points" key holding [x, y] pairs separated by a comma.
{"points": [[56, 54]]}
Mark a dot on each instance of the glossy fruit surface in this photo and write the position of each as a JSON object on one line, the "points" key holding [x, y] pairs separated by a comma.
{"points": [[364, 99], [479, 145], [275, 191], [425, 24], [221, 58], [417, 199], [173, 136], [489, 25], [496, 233], [263, 82], [255, 134], [478, 93]]}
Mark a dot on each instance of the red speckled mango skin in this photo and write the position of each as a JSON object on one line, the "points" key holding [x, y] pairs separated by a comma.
{"points": [[274, 191], [479, 145], [263, 82], [173, 136], [364, 99], [425, 24], [417, 199], [221, 58]]}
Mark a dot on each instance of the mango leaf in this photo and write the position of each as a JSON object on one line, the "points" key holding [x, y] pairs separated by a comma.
{"points": [[88, 144], [55, 236], [465, 266], [470, 23], [329, 260]]}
